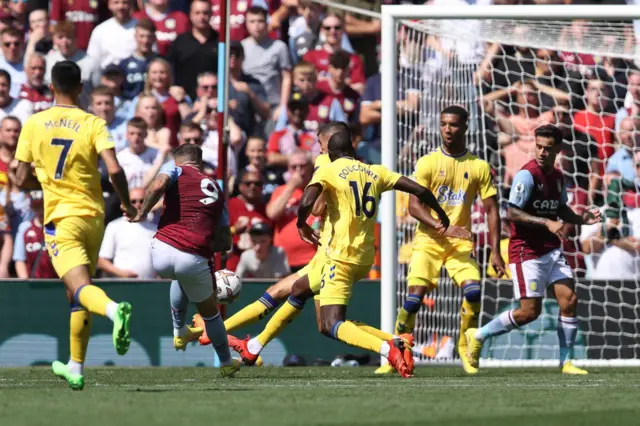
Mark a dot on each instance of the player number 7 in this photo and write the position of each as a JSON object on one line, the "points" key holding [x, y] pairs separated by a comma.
{"points": [[367, 200], [66, 146]]}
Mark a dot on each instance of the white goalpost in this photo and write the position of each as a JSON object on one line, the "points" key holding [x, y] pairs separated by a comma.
{"points": [[511, 67]]}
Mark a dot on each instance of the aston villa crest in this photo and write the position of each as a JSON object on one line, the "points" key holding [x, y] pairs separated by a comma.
{"points": [[323, 111]]}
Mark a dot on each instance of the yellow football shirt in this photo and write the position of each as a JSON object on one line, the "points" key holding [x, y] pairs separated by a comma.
{"points": [[456, 182], [352, 191], [325, 228], [63, 143]]}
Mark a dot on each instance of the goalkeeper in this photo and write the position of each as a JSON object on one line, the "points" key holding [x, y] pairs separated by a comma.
{"points": [[456, 177]]}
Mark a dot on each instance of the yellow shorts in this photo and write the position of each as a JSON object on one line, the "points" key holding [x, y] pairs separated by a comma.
{"points": [[74, 241], [337, 281], [426, 261], [314, 270]]}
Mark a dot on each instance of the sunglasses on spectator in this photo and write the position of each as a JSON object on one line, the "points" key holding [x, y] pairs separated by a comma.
{"points": [[252, 182], [329, 27], [190, 140], [297, 166], [11, 43], [136, 201], [209, 86]]}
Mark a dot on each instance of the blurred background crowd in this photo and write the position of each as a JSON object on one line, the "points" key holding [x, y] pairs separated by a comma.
{"points": [[149, 70]]}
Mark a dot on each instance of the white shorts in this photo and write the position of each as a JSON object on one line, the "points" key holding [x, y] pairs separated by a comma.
{"points": [[193, 272], [532, 277]]}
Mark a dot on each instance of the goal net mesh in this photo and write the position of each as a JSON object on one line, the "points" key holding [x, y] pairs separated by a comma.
{"points": [[512, 76]]}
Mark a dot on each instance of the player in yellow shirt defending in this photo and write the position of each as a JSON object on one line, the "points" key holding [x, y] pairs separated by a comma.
{"points": [[64, 144], [352, 191], [457, 177]]}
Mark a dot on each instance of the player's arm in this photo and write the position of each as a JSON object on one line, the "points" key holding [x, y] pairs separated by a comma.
{"points": [[309, 197], [23, 176], [118, 178], [223, 242], [425, 197], [154, 192], [495, 232]]}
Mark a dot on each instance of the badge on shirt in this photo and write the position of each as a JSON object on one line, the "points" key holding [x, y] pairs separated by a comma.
{"points": [[92, 3], [242, 6], [170, 23], [519, 187], [323, 111], [533, 286], [348, 105]]}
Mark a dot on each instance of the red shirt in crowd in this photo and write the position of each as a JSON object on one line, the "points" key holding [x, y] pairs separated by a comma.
{"points": [[85, 14], [172, 118], [320, 59], [237, 17], [38, 260], [347, 97], [41, 98], [319, 107], [600, 126], [287, 141], [170, 26], [286, 234], [250, 214], [4, 173]]}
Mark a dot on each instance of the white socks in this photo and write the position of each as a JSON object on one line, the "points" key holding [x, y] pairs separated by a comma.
{"points": [[112, 310], [75, 367], [254, 346], [385, 349]]}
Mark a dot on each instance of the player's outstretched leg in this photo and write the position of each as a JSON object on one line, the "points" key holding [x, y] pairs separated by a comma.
{"points": [[79, 332], [469, 312], [179, 302], [95, 300], [567, 326], [250, 348]]}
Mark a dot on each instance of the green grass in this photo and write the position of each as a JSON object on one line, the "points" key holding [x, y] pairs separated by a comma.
{"points": [[320, 396]]}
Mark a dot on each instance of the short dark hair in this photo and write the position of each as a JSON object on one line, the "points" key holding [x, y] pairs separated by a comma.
{"points": [[333, 127], [146, 24], [13, 32], [66, 77], [549, 131], [4, 73], [189, 152], [340, 59], [340, 142], [138, 123], [257, 10], [456, 110], [101, 91], [190, 125]]}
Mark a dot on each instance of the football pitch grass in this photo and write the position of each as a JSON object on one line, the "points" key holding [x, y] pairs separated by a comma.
{"points": [[320, 396]]}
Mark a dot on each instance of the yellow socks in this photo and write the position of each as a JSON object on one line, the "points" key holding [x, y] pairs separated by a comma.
{"points": [[80, 330], [280, 320], [251, 313], [407, 314], [372, 330], [468, 319], [93, 298], [350, 334]]}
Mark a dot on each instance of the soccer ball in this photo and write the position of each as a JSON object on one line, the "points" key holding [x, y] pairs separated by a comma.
{"points": [[228, 285]]}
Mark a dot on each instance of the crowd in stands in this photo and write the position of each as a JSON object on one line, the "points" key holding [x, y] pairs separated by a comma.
{"points": [[149, 69]]}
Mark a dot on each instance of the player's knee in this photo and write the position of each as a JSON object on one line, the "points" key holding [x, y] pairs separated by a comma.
{"points": [[418, 290], [280, 290], [472, 291], [529, 314], [569, 305]]}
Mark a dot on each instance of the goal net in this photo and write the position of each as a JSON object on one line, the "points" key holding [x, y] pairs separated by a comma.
{"points": [[513, 75]]}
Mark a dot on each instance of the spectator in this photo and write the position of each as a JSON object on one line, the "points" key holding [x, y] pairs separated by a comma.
{"points": [[19, 108], [294, 137], [34, 90], [236, 140], [12, 59], [18, 10], [114, 40], [30, 252], [256, 153], [304, 28], [39, 39], [195, 51], [323, 108], [102, 104], [113, 78], [10, 128], [594, 120], [126, 248], [207, 100], [65, 48], [557, 83], [84, 14], [149, 109], [622, 162], [134, 68], [245, 211], [168, 24], [238, 16], [191, 133], [262, 260], [336, 85], [332, 32], [6, 239], [283, 211], [631, 106], [267, 60], [173, 99], [247, 92], [140, 162]]}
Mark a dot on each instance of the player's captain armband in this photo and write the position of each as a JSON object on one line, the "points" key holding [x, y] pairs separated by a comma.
{"points": [[521, 189], [170, 169]]}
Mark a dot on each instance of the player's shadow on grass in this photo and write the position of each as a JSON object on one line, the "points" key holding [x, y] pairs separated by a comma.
{"points": [[179, 389]]}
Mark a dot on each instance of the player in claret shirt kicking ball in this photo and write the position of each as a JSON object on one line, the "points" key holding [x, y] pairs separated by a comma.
{"points": [[537, 203]]}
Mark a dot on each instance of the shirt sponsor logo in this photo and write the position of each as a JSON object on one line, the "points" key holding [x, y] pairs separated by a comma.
{"points": [[546, 205], [447, 195]]}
